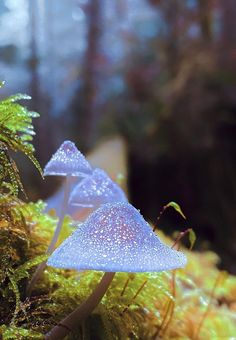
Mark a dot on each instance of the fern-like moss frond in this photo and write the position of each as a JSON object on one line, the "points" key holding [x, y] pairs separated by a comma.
{"points": [[16, 134]]}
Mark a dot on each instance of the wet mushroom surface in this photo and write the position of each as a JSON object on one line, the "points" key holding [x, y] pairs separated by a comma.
{"points": [[95, 190], [68, 161], [116, 238]]}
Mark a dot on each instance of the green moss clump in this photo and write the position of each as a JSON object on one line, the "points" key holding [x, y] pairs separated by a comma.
{"points": [[137, 306]]}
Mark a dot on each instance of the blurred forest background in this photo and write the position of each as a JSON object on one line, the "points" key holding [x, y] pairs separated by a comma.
{"points": [[161, 74]]}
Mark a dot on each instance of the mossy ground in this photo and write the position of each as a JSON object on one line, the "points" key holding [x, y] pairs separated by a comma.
{"points": [[197, 302]]}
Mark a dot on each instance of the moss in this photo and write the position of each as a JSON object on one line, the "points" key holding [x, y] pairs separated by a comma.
{"points": [[16, 131], [157, 309]]}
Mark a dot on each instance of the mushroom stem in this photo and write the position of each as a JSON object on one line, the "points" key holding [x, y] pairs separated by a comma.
{"points": [[52, 245], [71, 322]]}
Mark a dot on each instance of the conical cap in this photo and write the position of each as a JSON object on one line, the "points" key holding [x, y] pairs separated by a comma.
{"points": [[67, 160], [116, 238], [95, 190]]}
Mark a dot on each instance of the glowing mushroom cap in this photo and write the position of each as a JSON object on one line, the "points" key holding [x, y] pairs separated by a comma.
{"points": [[95, 190], [116, 238], [67, 160]]}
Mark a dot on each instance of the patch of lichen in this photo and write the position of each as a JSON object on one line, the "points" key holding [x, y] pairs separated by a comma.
{"points": [[137, 306]]}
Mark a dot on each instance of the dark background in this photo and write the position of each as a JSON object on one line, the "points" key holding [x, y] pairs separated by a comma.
{"points": [[162, 74]]}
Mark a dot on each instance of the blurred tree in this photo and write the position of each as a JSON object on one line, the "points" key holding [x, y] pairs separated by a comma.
{"points": [[205, 19], [228, 33], [45, 127], [94, 22], [85, 105]]}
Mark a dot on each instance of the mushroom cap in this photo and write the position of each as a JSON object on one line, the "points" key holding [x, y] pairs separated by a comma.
{"points": [[116, 238], [95, 190], [67, 160]]}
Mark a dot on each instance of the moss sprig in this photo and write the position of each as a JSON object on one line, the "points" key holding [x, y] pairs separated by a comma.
{"points": [[16, 134]]}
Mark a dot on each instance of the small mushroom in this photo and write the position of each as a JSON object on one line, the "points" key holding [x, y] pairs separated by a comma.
{"points": [[69, 162], [94, 191], [114, 238]]}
